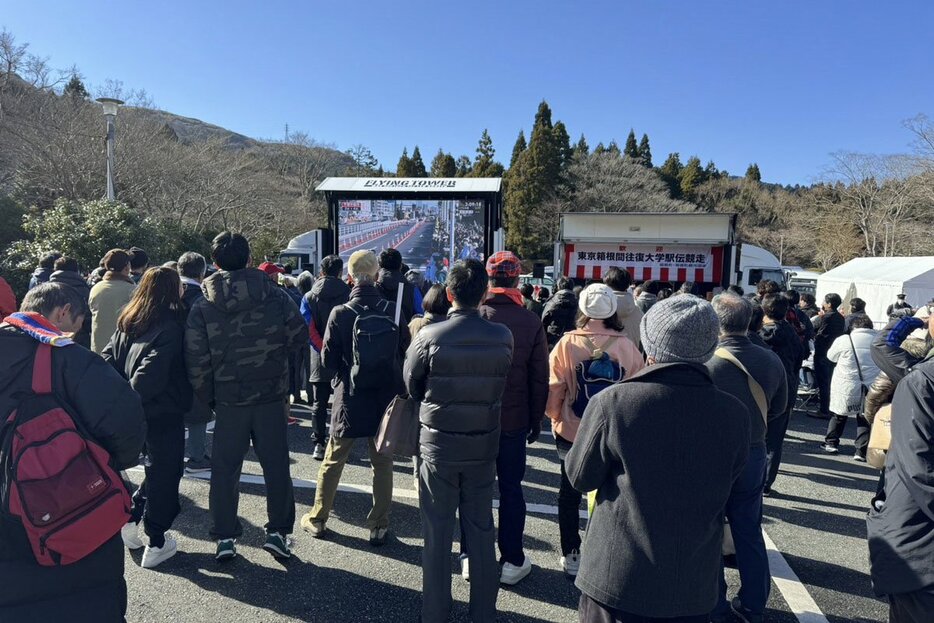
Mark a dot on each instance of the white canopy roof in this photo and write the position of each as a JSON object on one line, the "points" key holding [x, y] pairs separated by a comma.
{"points": [[426, 185], [878, 280]]}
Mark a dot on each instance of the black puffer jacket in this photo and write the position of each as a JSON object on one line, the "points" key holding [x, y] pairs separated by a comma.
{"points": [[90, 589], [326, 294], [73, 279], [358, 415], [388, 285], [154, 364], [239, 339], [827, 329], [527, 384], [458, 369], [192, 295], [784, 342], [558, 317]]}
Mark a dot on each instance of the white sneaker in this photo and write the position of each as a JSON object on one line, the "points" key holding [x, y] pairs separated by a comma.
{"points": [[130, 535], [465, 567], [153, 556], [511, 574], [571, 563]]}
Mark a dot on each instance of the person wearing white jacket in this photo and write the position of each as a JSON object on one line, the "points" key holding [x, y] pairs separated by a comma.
{"points": [[854, 373]]}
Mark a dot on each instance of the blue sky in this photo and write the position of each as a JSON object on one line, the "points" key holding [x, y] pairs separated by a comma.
{"points": [[779, 83]]}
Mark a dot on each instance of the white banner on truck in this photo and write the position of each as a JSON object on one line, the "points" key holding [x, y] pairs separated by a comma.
{"points": [[675, 263]]}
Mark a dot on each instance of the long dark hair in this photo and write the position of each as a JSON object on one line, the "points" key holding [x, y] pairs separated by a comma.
{"points": [[612, 323], [156, 296]]}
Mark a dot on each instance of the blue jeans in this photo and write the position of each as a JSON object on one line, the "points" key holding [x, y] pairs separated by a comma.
{"points": [[510, 470], [744, 511]]}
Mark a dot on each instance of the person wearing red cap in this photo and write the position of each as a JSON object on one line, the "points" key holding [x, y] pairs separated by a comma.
{"points": [[523, 408], [271, 269]]}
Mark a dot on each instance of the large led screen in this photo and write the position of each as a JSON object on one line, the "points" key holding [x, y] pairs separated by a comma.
{"points": [[430, 235]]}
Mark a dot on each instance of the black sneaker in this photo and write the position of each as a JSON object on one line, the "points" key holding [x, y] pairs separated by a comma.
{"points": [[198, 466], [744, 613], [830, 448], [226, 550], [278, 545], [379, 536], [768, 492]]}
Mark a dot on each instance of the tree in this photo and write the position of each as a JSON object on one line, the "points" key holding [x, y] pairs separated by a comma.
{"points": [[645, 151], [364, 162], [613, 147], [692, 176], [562, 145], [518, 148], [463, 166], [753, 174], [581, 149], [710, 171], [484, 164], [405, 167], [418, 165], [632, 148], [671, 174], [75, 88], [443, 165]]}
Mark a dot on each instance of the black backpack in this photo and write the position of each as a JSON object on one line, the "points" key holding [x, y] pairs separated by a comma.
{"points": [[594, 375], [375, 347]]}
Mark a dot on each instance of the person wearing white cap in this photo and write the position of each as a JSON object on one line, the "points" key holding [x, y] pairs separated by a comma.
{"points": [[598, 332], [662, 450]]}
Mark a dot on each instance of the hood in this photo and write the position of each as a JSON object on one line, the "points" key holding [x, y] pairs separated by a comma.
{"points": [[625, 304], [329, 288], [564, 298], [389, 280], [237, 291], [42, 274], [69, 278], [769, 332], [17, 350], [647, 296]]}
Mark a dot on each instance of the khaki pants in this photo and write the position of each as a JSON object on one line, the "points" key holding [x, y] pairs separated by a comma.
{"points": [[329, 476]]}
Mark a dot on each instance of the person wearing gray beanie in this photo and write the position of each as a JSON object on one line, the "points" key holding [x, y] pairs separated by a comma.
{"points": [[662, 450], [680, 329]]}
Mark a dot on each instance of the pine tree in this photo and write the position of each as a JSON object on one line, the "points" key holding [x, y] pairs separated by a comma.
{"points": [[582, 148], [613, 147], [443, 165], [404, 167], [692, 176], [753, 174], [645, 151], [711, 172], [418, 165], [631, 149], [671, 173], [518, 148], [463, 167], [484, 165], [562, 144], [599, 149], [365, 162], [75, 88]]}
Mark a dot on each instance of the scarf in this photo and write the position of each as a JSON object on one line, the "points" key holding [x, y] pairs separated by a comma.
{"points": [[38, 327], [512, 294]]}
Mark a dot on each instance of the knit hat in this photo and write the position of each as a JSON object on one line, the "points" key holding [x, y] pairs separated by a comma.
{"points": [[597, 301], [504, 264], [362, 263], [680, 328]]}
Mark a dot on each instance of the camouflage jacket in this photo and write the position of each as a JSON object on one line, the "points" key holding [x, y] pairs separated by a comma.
{"points": [[239, 338]]}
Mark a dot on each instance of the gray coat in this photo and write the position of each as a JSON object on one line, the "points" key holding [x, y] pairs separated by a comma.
{"points": [[662, 449], [766, 368]]}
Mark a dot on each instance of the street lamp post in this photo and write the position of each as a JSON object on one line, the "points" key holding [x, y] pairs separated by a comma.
{"points": [[110, 113]]}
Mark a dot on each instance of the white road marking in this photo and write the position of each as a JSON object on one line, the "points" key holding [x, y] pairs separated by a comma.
{"points": [[796, 595]]}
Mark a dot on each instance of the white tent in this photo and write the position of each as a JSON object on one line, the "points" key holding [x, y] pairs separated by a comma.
{"points": [[878, 280]]}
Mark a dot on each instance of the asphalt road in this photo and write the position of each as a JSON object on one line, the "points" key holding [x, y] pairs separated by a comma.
{"points": [[415, 249], [816, 521]]}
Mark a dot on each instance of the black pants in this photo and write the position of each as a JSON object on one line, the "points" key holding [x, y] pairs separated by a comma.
{"points": [[915, 607], [156, 500], [837, 425], [321, 393], [823, 373], [775, 435], [590, 611], [266, 426], [569, 504]]}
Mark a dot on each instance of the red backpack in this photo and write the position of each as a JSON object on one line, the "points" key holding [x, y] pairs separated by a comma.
{"points": [[56, 480]]}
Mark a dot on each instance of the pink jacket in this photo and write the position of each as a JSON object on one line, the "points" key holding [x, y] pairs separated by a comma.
{"points": [[570, 351]]}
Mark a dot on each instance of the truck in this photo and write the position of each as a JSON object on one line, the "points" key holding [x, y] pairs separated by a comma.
{"points": [[671, 247], [305, 251]]}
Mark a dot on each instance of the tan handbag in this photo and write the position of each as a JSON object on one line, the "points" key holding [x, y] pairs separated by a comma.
{"points": [[880, 438]]}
